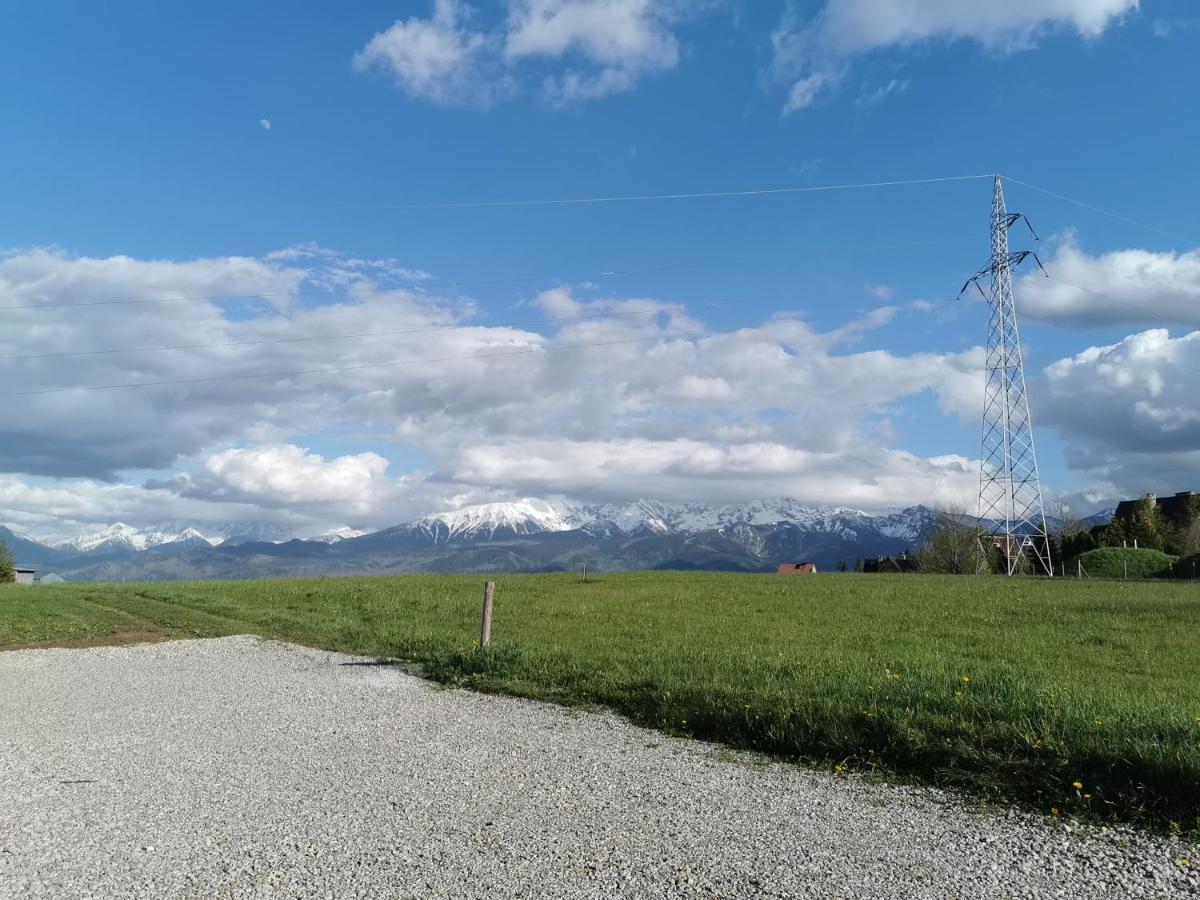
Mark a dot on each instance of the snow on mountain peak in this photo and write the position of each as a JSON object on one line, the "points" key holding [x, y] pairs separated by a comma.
{"points": [[337, 535], [127, 536], [525, 516]]}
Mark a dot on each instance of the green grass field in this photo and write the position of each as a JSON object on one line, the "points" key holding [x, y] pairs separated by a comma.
{"points": [[1012, 689]]}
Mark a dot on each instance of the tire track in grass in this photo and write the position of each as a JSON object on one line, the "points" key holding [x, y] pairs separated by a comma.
{"points": [[219, 626]]}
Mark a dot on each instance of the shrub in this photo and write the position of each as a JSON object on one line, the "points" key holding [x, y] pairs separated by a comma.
{"points": [[1116, 562], [8, 572]]}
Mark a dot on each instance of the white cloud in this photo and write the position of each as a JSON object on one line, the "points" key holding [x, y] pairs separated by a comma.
{"points": [[1124, 287], [576, 50], [1138, 394], [440, 59], [1128, 412], [656, 378], [805, 91], [811, 53], [285, 473], [618, 40], [673, 470], [264, 124], [65, 508], [874, 96]]}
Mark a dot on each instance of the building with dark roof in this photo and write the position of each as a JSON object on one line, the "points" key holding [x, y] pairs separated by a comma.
{"points": [[1178, 510]]}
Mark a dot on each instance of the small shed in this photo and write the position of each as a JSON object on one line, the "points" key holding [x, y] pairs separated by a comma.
{"points": [[797, 568], [25, 576]]}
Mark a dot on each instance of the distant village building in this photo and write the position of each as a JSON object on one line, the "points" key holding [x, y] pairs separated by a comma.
{"points": [[26, 576], [797, 569], [53, 578], [1177, 510]]}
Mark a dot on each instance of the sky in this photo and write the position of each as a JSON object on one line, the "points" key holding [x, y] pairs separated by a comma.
{"points": [[279, 263]]}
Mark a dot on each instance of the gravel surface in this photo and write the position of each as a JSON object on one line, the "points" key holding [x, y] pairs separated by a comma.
{"points": [[246, 768]]}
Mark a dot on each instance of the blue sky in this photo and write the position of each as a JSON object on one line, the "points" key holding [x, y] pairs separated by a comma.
{"points": [[136, 164]]}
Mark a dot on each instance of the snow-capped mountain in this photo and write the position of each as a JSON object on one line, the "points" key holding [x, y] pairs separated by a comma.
{"points": [[122, 537], [337, 535], [126, 537], [527, 516], [532, 516], [526, 535]]}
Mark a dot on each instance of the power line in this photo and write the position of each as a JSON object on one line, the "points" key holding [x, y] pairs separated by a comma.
{"points": [[579, 201], [642, 198], [1094, 335], [1153, 314], [1106, 340], [1103, 212]]}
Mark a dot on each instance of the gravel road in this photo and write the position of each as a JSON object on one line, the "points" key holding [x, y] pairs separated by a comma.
{"points": [[246, 768]]}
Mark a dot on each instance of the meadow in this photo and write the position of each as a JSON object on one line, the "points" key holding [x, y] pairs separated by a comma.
{"points": [[1078, 697]]}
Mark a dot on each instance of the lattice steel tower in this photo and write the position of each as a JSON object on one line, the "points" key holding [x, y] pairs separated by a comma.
{"points": [[1010, 493]]}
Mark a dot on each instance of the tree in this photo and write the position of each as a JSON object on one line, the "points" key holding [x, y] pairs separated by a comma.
{"points": [[1066, 523], [1143, 526], [953, 547], [1072, 538], [8, 571], [1181, 536], [1191, 540]]}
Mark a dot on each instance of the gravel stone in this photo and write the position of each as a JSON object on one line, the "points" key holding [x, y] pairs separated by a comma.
{"points": [[241, 767]]}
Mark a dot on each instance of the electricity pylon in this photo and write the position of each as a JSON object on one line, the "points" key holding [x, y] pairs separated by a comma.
{"points": [[1011, 517]]}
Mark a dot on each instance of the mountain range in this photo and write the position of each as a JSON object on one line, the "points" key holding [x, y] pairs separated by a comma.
{"points": [[528, 535]]}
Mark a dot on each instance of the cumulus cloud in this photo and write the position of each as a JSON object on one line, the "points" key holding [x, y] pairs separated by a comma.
{"points": [[577, 50], [672, 470], [812, 52], [1127, 411], [617, 41], [1124, 287], [64, 508], [440, 59], [1138, 394], [264, 124], [755, 409], [287, 474]]}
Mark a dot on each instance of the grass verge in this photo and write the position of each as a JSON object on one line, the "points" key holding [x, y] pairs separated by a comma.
{"points": [[1077, 696]]}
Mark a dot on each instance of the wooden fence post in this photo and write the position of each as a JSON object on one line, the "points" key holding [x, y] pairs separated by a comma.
{"points": [[485, 633]]}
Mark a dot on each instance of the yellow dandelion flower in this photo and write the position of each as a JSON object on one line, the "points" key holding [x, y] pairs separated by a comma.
{"points": [[1078, 785], [1184, 862], [1099, 722], [1054, 810], [966, 679], [1087, 796], [839, 769]]}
